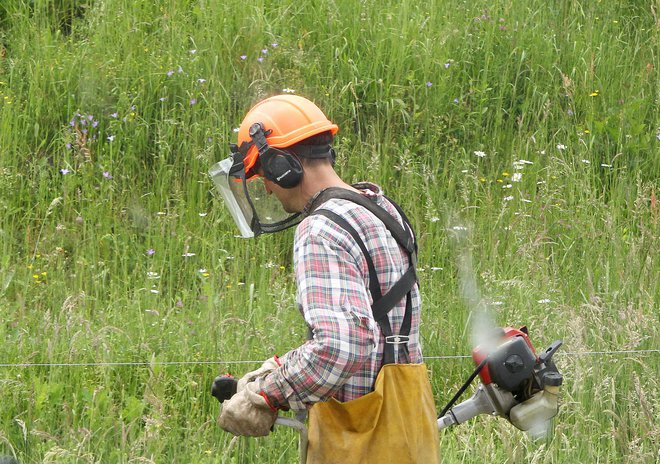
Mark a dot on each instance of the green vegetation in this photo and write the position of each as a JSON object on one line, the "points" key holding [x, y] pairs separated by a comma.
{"points": [[533, 122]]}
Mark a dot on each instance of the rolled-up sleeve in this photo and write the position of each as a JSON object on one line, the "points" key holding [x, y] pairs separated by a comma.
{"points": [[336, 305]]}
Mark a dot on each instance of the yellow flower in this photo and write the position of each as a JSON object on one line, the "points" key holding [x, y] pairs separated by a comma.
{"points": [[594, 93], [500, 181], [505, 174], [587, 131], [36, 276], [482, 179]]}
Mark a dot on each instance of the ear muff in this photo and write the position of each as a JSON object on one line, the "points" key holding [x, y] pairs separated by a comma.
{"points": [[282, 168], [278, 166]]}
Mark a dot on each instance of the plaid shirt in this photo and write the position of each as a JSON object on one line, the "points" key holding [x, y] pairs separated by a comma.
{"points": [[344, 356]]}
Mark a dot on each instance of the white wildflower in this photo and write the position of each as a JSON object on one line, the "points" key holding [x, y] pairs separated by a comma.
{"points": [[561, 146], [586, 161], [509, 198], [544, 301], [517, 177], [480, 154]]}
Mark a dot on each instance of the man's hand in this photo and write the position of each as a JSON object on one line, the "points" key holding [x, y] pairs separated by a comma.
{"points": [[248, 413], [266, 368]]}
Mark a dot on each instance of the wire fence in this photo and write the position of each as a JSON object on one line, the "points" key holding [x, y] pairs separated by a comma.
{"points": [[235, 362]]}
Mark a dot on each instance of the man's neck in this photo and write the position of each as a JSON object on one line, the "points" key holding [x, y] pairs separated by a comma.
{"points": [[317, 180]]}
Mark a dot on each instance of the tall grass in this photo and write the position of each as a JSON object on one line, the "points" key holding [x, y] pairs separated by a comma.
{"points": [[113, 246]]}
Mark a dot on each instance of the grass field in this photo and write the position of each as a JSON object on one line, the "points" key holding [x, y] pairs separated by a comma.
{"points": [[123, 288]]}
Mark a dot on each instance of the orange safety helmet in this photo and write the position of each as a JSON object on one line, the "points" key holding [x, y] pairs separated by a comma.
{"points": [[286, 120]]}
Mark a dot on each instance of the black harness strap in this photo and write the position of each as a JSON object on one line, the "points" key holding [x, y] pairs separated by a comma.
{"points": [[382, 304]]}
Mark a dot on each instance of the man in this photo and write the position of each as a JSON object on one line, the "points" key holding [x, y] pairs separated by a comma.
{"points": [[359, 374]]}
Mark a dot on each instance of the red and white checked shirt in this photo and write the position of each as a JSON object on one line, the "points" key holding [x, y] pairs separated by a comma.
{"points": [[344, 356]]}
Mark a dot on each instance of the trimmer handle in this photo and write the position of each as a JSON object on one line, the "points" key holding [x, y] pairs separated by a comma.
{"points": [[224, 387]]}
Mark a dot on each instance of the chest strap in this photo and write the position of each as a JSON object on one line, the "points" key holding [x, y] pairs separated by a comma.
{"points": [[382, 304]]}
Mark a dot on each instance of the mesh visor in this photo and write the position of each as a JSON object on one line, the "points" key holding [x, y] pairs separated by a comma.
{"points": [[254, 211]]}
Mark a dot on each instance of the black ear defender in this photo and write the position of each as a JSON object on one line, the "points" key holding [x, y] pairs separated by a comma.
{"points": [[278, 166]]}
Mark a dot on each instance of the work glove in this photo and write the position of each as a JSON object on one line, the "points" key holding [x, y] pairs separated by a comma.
{"points": [[248, 413], [266, 368]]}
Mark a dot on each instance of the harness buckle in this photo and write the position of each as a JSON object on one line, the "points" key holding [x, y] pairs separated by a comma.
{"points": [[397, 339]]}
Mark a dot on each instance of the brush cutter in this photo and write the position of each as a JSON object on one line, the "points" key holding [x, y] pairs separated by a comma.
{"points": [[516, 384]]}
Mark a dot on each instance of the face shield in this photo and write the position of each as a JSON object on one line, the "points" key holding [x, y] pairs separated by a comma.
{"points": [[254, 211]]}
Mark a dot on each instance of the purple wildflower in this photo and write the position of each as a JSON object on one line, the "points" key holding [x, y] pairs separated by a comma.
{"points": [[455, 100], [447, 65], [64, 171], [429, 84], [107, 175], [260, 59], [274, 45], [90, 117], [170, 73], [95, 123], [151, 252], [243, 57], [68, 146], [193, 101], [114, 115], [264, 51]]}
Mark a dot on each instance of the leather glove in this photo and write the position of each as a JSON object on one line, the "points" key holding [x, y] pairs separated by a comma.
{"points": [[248, 413], [266, 368]]}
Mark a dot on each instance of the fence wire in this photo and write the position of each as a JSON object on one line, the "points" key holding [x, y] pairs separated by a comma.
{"points": [[235, 362]]}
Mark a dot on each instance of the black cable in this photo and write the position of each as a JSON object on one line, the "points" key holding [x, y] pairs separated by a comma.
{"points": [[463, 388]]}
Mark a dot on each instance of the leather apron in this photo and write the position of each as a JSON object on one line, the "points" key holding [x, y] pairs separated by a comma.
{"points": [[395, 423]]}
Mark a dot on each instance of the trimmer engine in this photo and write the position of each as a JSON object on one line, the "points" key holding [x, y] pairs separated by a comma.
{"points": [[516, 383]]}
